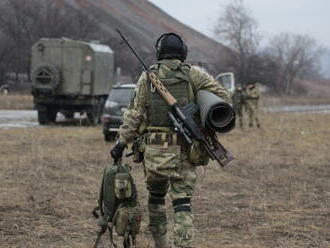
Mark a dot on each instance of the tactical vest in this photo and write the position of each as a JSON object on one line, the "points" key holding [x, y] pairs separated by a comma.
{"points": [[175, 77]]}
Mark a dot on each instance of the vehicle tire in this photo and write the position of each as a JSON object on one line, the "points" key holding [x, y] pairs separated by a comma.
{"points": [[92, 118], [43, 117], [5, 92], [110, 136], [46, 77], [52, 114], [68, 115]]}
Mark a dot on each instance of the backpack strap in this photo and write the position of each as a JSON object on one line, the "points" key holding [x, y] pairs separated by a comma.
{"points": [[127, 242], [111, 236]]}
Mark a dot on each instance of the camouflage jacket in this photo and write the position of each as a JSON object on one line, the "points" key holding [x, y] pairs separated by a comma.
{"points": [[238, 97], [136, 113], [252, 93]]}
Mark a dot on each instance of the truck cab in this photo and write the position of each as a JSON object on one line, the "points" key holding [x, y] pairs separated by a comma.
{"points": [[227, 80]]}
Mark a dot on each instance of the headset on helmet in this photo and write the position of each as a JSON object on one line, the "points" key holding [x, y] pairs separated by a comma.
{"points": [[171, 46]]}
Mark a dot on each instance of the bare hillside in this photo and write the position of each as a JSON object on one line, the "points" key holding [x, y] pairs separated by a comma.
{"points": [[143, 22]]}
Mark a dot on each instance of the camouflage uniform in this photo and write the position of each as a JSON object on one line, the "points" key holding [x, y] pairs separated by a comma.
{"points": [[166, 162], [252, 104], [238, 98]]}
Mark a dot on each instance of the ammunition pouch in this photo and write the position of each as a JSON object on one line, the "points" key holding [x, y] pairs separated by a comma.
{"points": [[163, 138], [138, 149], [197, 154], [127, 220], [162, 156]]}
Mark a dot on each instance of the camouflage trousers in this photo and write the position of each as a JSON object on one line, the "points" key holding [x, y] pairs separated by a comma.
{"points": [[239, 112], [252, 108], [169, 171]]}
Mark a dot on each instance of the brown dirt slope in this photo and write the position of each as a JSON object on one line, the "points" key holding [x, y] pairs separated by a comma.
{"points": [[143, 22], [276, 193]]}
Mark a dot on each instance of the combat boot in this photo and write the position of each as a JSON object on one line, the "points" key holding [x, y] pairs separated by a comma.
{"points": [[160, 241]]}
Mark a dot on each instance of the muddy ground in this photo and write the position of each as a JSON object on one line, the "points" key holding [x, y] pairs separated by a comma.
{"points": [[275, 194]]}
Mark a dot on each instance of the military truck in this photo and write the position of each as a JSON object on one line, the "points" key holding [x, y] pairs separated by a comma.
{"points": [[70, 76]]}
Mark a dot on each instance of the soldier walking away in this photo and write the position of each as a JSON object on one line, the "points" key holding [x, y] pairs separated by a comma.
{"points": [[169, 166], [252, 104], [238, 99]]}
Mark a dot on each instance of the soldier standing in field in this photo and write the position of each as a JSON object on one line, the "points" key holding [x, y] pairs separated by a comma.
{"points": [[169, 163], [238, 99], [252, 104]]}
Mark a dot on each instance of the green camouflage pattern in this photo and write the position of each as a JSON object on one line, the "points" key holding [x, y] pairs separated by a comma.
{"points": [[123, 185], [162, 162], [183, 229], [175, 78], [127, 219], [133, 117], [157, 219], [238, 99], [252, 105], [177, 189], [167, 168]]}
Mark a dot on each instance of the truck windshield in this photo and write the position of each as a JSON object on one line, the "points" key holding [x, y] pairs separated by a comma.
{"points": [[121, 95], [225, 81]]}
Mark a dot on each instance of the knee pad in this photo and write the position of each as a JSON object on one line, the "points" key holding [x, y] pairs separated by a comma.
{"points": [[156, 198], [182, 204]]}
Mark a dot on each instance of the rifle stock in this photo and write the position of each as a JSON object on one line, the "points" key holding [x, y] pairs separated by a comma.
{"points": [[165, 94]]}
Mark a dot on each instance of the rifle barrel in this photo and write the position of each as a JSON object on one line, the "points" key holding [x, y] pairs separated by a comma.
{"points": [[132, 49]]}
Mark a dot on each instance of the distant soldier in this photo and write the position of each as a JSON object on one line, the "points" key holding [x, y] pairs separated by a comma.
{"points": [[238, 102], [252, 104], [169, 162]]}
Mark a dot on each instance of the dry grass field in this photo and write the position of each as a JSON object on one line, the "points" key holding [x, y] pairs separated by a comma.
{"points": [[267, 100], [26, 101], [16, 102], [276, 194]]}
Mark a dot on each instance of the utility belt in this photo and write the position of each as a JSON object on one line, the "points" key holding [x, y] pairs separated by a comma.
{"points": [[163, 138]]}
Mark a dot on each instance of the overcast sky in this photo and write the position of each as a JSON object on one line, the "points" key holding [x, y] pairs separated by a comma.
{"points": [[310, 17]]}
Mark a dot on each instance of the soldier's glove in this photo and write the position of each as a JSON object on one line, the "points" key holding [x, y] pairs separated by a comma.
{"points": [[117, 150]]}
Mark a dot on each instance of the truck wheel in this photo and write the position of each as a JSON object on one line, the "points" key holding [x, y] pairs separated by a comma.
{"points": [[52, 113], [43, 117], [46, 77], [92, 118], [68, 115], [110, 136]]}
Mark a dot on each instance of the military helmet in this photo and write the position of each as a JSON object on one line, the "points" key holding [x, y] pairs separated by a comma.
{"points": [[171, 46]]}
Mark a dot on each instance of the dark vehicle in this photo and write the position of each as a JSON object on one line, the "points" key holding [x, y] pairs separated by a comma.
{"points": [[114, 108]]}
